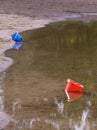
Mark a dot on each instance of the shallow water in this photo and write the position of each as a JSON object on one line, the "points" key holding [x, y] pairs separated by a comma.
{"points": [[34, 85]]}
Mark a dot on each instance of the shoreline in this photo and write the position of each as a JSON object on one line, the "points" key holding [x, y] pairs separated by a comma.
{"points": [[15, 23], [10, 24]]}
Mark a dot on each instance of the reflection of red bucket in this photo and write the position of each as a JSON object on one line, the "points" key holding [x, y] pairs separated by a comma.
{"points": [[71, 96], [72, 86]]}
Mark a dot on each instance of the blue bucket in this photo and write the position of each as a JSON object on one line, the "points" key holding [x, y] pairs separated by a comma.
{"points": [[17, 45], [17, 37]]}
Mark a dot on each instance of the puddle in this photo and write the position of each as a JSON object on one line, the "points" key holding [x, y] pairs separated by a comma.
{"points": [[34, 84]]}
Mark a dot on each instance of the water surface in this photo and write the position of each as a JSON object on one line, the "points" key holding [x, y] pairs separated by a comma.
{"points": [[34, 84]]}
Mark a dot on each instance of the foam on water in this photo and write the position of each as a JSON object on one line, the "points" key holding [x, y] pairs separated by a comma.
{"points": [[83, 123]]}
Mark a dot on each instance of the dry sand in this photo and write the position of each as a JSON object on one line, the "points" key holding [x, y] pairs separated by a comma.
{"points": [[20, 15]]}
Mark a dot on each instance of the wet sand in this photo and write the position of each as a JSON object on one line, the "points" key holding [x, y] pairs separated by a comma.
{"points": [[29, 14]]}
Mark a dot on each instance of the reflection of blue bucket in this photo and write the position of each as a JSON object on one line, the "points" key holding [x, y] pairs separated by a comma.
{"points": [[17, 45], [17, 37]]}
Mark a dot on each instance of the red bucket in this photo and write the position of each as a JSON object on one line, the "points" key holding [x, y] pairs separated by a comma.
{"points": [[73, 86]]}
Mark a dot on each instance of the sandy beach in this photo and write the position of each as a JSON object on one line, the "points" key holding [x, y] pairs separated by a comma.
{"points": [[20, 15]]}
